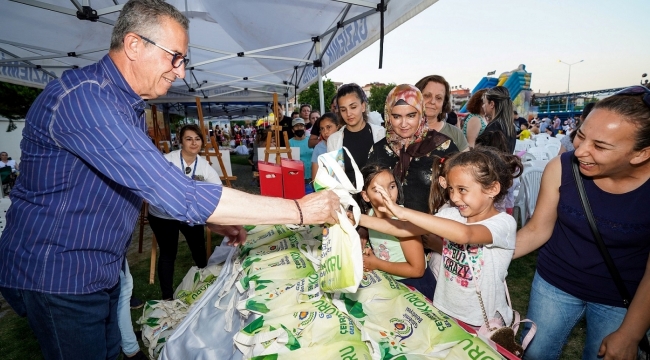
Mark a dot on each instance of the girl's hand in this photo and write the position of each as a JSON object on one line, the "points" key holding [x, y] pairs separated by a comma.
{"points": [[390, 206], [369, 261]]}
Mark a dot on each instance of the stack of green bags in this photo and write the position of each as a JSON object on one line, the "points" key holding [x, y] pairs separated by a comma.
{"points": [[294, 318]]}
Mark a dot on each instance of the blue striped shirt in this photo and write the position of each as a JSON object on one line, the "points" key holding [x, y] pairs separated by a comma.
{"points": [[86, 165]]}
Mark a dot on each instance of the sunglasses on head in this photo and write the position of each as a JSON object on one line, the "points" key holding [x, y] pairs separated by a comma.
{"points": [[188, 170], [637, 90]]}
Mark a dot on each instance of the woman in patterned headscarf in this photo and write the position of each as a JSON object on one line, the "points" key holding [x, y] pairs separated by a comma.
{"points": [[410, 148]]}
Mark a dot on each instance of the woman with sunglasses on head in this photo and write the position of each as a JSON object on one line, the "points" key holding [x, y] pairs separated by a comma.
{"points": [[357, 135], [612, 154], [165, 228]]}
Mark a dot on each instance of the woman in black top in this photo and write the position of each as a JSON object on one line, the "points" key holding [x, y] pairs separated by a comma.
{"points": [[500, 131], [357, 135]]}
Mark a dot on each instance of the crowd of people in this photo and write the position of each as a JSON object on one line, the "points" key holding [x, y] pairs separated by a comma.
{"points": [[437, 190]]}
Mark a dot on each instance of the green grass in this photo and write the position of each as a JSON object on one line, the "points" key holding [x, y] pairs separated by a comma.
{"points": [[239, 159], [18, 342], [520, 279]]}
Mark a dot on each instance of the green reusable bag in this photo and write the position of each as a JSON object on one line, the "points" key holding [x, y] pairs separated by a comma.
{"points": [[399, 321], [265, 234], [288, 264], [341, 263], [289, 242], [196, 282], [343, 350], [159, 320], [304, 290], [287, 331]]}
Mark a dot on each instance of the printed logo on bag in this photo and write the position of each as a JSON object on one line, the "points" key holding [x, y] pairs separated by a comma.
{"points": [[305, 317], [402, 328]]}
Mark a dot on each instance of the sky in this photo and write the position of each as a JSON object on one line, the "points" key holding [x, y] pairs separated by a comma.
{"points": [[462, 40]]}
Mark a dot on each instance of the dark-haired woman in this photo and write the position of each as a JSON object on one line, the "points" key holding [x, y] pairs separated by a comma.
{"points": [[500, 132], [165, 228], [612, 151], [357, 135]]}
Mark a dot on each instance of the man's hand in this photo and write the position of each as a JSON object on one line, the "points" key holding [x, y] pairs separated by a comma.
{"points": [[320, 208], [235, 233]]}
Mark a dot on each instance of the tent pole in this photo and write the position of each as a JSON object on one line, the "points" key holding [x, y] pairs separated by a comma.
{"points": [[321, 96]]}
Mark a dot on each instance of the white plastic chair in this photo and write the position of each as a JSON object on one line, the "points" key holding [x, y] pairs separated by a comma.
{"points": [[535, 163], [526, 157], [528, 143], [553, 148], [519, 146], [4, 206], [541, 141], [540, 153], [531, 180]]}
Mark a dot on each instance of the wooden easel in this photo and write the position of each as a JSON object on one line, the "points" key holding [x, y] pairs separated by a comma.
{"points": [[157, 135], [275, 132]]}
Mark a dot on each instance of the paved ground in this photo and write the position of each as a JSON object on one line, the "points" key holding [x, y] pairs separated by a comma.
{"points": [[244, 182]]}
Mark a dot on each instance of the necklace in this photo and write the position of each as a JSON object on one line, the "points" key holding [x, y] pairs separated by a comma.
{"points": [[187, 168]]}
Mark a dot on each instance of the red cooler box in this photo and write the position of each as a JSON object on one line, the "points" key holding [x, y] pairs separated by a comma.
{"points": [[293, 178], [270, 178]]}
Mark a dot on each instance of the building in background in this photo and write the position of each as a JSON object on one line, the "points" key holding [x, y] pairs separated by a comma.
{"points": [[459, 96]]}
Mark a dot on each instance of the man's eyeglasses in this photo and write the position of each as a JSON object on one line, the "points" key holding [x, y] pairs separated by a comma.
{"points": [[177, 58], [637, 90]]}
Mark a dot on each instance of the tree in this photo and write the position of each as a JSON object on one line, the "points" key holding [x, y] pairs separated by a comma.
{"points": [[310, 95], [378, 94], [15, 100]]}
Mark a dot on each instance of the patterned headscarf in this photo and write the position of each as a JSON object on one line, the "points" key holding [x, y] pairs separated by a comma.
{"points": [[412, 96], [423, 142]]}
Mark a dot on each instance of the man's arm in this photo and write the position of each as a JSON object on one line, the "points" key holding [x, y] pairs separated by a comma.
{"points": [[106, 137], [240, 208]]}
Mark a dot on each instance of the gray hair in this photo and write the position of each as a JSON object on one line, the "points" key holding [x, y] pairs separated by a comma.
{"points": [[143, 17]]}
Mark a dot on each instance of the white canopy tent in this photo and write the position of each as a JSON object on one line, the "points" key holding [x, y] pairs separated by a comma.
{"points": [[240, 51]]}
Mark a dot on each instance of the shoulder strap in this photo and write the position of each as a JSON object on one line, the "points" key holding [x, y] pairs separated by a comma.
{"points": [[599, 240]]}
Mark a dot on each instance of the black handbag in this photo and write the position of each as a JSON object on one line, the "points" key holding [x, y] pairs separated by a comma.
{"points": [[644, 345]]}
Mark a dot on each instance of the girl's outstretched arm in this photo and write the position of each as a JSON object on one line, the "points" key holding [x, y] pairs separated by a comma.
{"points": [[398, 228], [449, 229], [413, 267]]}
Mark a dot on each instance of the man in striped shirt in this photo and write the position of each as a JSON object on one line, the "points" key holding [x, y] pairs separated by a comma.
{"points": [[86, 165]]}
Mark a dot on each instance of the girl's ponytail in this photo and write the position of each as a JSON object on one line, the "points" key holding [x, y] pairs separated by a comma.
{"points": [[437, 194]]}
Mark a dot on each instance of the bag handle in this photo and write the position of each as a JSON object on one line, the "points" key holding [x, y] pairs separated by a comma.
{"points": [[611, 267], [516, 319], [478, 292], [340, 174]]}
